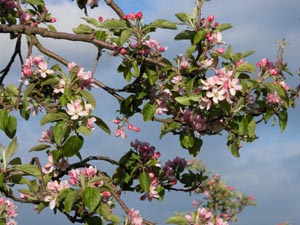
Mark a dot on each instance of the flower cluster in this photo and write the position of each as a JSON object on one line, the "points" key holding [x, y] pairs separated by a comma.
{"points": [[54, 187], [85, 77], [205, 217], [52, 166], [267, 66], [122, 123], [133, 16], [134, 217], [8, 211], [173, 168], [145, 150], [221, 86], [35, 65]]}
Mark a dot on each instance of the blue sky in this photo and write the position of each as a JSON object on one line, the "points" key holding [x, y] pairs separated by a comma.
{"points": [[268, 169]]}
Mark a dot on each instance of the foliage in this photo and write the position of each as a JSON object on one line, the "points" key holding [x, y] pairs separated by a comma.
{"points": [[208, 90]]}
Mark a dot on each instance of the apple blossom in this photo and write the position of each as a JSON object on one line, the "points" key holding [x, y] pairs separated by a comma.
{"points": [[134, 217], [76, 110], [90, 123]]}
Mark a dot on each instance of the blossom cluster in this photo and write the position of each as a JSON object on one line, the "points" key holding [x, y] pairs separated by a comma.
{"points": [[120, 132], [8, 211], [35, 65], [205, 217], [221, 86], [134, 217]]}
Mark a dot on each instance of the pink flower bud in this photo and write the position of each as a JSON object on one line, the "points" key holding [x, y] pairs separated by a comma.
{"points": [[137, 129], [106, 194], [216, 24], [139, 15], [53, 20], [210, 18], [117, 121], [100, 18], [220, 50], [130, 126], [123, 51]]}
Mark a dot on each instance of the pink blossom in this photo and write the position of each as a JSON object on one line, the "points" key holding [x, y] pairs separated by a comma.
{"points": [[90, 123], [89, 171], [60, 87], [71, 65], [273, 98], [47, 135], [234, 86], [120, 132], [43, 69], [75, 109], [216, 95], [86, 78], [134, 217], [49, 166], [74, 176], [284, 85]]}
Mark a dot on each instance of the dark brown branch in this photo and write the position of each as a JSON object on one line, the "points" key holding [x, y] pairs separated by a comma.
{"points": [[87, 38], [17, 51]]}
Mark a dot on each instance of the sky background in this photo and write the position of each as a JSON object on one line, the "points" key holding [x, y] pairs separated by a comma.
{"points": [[268, 168]]}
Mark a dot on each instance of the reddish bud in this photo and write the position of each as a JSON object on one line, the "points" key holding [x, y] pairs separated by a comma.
{"points": [[216, 24], [123, 51], [117, 121], [220, 50], [53, 20], [100, 18], [137, 129], [210, 18], [130, 126], [139, 15]]}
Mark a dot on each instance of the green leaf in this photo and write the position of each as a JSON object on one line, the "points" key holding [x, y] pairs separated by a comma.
{"points": [[59, 131], [251, 128], [113, 24], [224, 26], [51, 28], [70, 199], [40, 147], [183, 17], [195, 149], [11, 127], [248, 53], [145, 181], [149, 111], [161, 23], [246, 67], [92, 21], [183, 100], [125, 36], [101, 35], [199, 36], [72, 145], [11, 149], [102, 125], [84, 130], [283, 118], [83, 29], [36, 2], [190, 50], [93, 220], [243, 126], [52, 117], [1, 180], [91, 198], [28, 169], [185, 35], [105, 211], [3, 119], [177, 219], [89, 97]]}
